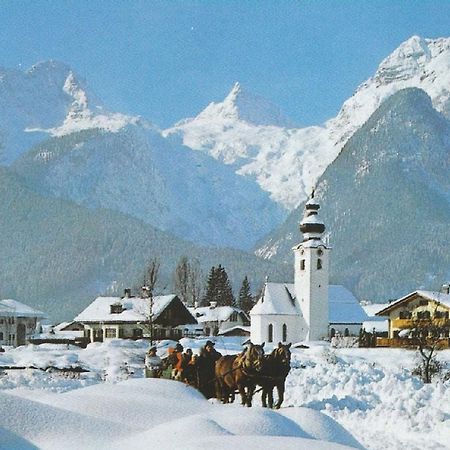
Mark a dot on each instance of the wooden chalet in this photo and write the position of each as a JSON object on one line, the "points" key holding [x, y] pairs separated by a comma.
{"points": [[418, 314], [130, 317]]}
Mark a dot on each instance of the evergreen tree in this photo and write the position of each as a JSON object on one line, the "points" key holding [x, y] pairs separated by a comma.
{"points": [[218, 288], [246, 301]]}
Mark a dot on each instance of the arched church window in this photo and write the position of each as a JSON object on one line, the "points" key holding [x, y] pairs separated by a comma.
{"points": [[302, 264], [319, 264], [346, 332], [270, 334], [332, 333], [284, 334]]}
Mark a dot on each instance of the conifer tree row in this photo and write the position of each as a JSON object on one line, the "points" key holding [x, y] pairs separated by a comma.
{"points": [[218, 288], [245, 301]]}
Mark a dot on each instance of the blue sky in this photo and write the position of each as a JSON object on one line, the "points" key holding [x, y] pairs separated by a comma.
{"points": [[166, 60]]}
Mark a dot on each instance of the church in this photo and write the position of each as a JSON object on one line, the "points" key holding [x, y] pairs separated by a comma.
{"points": [[309, 309]]}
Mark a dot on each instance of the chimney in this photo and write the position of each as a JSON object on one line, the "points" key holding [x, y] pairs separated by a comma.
{"points": [[145, 291], [445, 289], [212, 305], [127, 293]]}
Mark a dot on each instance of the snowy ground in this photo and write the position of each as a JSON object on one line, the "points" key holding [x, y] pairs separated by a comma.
{"points": [[335, 399]]}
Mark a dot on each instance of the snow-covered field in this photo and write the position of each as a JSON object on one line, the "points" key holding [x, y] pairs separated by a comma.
{"points": [[335, 399]]}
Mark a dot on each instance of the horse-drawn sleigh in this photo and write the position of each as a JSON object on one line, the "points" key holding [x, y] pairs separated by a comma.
{"points": [[224, 376]]}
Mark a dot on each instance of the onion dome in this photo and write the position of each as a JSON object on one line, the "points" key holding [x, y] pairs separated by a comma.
{"points": [[311, 226]]}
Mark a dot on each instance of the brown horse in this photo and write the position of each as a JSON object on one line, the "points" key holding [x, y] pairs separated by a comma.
{"points": [[239, 372], [276, 367]]}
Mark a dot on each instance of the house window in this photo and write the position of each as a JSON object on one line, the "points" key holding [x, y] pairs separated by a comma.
{"points": [[116, 308], [405, 315], [319, 264], [1, 336], [270, 335], [302, 264], [234, 317], [284, 332], [137, 333], [423, 302], [423, 315], [441, 315], [110, 333]]}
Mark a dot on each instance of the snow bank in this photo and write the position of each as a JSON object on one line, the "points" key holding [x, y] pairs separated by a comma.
{"points": [[349, 397]]}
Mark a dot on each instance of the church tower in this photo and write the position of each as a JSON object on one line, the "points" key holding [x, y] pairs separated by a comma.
{"points": [[312, 271]]}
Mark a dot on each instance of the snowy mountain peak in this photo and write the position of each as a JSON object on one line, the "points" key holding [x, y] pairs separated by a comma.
{"points": [[242, 105], [406, 61]]}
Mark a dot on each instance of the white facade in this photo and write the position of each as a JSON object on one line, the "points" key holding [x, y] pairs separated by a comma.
{"points": [[311, 286], [274, 329], [277, 316]]}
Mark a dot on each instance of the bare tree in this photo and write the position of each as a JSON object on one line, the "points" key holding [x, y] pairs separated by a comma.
{"points": [[427, 333], [195, 282], [181, 279], [151, 277]]}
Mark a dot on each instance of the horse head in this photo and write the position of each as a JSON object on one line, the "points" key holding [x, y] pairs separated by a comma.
{"points": [[253, 357], [282, 354]]}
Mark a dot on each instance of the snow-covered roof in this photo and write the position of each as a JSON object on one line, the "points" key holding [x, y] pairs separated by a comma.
{"points": [[443, 299], [343, 306], [279, 299], [372, 308], [214, 314], [10, 307], [236, 327], [134, 309]]}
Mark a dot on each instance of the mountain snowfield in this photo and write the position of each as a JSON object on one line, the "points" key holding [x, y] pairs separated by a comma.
{"points": [[48, 99], [286, 162]]}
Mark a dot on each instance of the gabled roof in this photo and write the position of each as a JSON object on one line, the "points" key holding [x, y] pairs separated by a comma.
{"points": [[443, 299], [10, 307], [279, 299], [134, 309], [344, 307], [214, 314]]}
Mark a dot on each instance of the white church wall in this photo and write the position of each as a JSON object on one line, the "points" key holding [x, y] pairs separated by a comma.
{"points": [[296, 328]]}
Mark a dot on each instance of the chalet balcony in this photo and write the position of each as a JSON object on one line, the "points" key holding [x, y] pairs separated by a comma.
{"points": [[412, 323], [408, 343]]}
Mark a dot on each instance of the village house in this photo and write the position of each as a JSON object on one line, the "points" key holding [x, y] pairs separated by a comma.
{"points": [[71, 333], [309, 309], [131, 317], [219, 319], [17, 322], [418, 312]]}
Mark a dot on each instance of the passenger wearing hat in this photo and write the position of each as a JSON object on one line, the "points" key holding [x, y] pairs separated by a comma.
{"points": [[177, 371], [153, 364], [206, 369]]}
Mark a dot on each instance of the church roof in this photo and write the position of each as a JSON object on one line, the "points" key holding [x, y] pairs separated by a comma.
{"points": [[344, 307], [279, 299]]}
